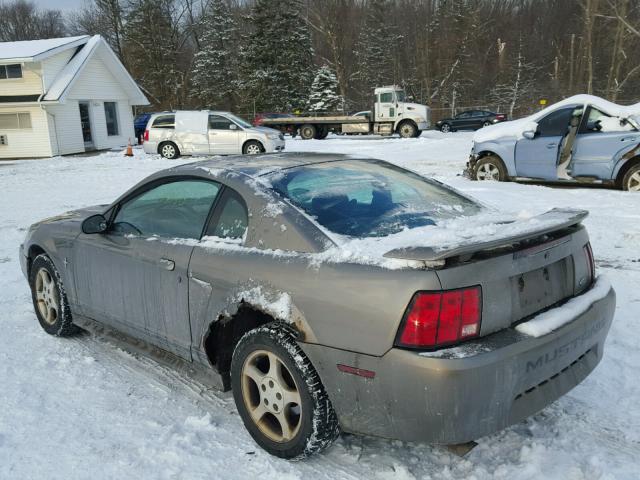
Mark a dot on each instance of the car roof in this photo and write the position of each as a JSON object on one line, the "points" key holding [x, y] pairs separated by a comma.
{"points": [[259, 165]]}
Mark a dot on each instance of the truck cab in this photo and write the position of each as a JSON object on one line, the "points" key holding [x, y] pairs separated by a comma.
{"points": [[392, 113]]}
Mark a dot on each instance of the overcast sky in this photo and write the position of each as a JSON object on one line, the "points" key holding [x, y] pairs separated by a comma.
{"points": [[64, 5]]}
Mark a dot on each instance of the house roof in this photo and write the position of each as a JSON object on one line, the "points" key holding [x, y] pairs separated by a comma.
{"points": [[36, 50]]}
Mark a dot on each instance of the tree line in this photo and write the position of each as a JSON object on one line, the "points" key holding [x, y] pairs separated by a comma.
{"points": [[326, 55]]}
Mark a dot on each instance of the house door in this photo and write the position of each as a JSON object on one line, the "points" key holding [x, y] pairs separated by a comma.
{"points": [[85, 123]]}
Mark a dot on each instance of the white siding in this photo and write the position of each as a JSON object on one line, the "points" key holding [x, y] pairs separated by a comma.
{"points": [[97, 85], [65, 121], [29, 84], [52, 66], [27, 143]]}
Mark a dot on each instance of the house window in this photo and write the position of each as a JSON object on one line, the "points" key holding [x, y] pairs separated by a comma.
{"points": [[111, 114], [15, 121], [10, 71]]}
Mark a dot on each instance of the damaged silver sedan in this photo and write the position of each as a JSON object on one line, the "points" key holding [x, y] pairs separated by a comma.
{"points": [[331, 293]]}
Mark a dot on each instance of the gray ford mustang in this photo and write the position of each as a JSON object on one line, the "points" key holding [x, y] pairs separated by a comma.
{"points": [[331, 292]]}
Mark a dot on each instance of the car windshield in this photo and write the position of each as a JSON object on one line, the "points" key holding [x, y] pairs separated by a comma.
{"points": [[362, 198], [238, 120]]}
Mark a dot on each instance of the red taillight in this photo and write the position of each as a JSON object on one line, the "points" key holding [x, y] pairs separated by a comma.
{"points": [[500, 116], [146, 135], [441, 318], [591, 264]]}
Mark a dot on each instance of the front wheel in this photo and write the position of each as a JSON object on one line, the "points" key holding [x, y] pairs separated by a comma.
{"points": [[490, 168], [49, 298], [279, 395], [407, 130], [631, 179], [252, 147]]}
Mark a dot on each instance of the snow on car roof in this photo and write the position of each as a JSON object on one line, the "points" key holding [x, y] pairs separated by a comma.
{"points": [[514, 128], [27, 50]]}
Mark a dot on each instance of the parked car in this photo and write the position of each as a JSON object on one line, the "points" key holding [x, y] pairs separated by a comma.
{"points": [[205, 132], [331, 292], [580, 139], [470, 120], [140, 124], [260, 117]]}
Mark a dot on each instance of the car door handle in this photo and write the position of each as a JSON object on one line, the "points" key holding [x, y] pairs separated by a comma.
{"points": [[552, 145], [168, 264]]}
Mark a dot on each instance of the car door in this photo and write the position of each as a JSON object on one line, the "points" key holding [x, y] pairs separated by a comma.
{"points": [[211, 270], [462, 121], [600, 138], [537, 157], [134, 277], [224, 136], [386, 107]]}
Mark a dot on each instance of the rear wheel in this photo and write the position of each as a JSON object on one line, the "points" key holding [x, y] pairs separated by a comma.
{"points": [[321, 133], [486, 124], [252, 147], [631, 179], [307, 131], [490, 168], [279, 395], [49, 298], [445, 128], [169, 150]]}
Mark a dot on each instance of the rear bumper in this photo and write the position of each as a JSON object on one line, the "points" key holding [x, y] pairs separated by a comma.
{"points": [[482, 387]]}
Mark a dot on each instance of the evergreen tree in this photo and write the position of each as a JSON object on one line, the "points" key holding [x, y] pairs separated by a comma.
{"points": [[324, 95], [277, 66], [215, 65], [376, 49], [152, 46]]}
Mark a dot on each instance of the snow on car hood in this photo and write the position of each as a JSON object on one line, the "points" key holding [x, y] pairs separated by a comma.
{"points": [[515, 128]]}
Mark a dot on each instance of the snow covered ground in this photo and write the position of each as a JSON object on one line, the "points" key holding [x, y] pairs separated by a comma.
{"points": [[79, 408]]}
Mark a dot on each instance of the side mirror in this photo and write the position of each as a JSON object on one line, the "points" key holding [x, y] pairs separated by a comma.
{"points": [[94, 224], [530, 134], [233, 126]]}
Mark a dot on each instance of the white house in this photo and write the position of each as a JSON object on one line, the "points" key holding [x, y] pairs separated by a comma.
{"points": [[64, 95]]}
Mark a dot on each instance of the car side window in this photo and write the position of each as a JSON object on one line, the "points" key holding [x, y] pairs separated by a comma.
{"points": [[164, 121], [594, 121], [463, 115], [231, 217], [556, 123], [218, 122], [177, 209]]}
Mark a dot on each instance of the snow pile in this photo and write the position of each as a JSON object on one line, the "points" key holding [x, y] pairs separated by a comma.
{"points": [[555, 318], [276, 304], [614, 124], [515, 128]]}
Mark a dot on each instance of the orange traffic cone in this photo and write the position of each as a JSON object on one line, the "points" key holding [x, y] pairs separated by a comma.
{"points": [[129, 152]]}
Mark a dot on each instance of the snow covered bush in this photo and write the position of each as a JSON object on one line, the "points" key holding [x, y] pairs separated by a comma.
{"points": [[324, 95]]}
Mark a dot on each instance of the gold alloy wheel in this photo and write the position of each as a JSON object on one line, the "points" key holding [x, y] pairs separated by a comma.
{"points": [[633, 184], [271, 396], [488, 171], [47, 296]]}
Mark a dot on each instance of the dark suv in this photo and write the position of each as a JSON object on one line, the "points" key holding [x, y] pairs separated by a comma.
{"points": [[470, 120]]}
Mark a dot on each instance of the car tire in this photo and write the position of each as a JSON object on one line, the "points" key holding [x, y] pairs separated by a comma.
{"points": [[252, 147], [407, 130], [279, 394], [445, 128], [169, 150], [631, 179], [490, 168], [307, 131], [321, 133], [486, 124], [49, 298]]}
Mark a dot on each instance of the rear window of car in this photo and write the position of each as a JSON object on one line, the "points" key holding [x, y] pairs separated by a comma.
{"points": [[361, 198], [164, 121]]}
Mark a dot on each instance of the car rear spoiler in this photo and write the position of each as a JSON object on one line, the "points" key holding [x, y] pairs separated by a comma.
{"points": [[554, 220]]}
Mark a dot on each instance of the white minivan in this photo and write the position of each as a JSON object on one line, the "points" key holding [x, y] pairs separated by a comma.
{"points": [[206, 132]]}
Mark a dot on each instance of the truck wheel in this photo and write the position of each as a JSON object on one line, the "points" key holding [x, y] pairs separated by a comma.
{"points": [[490, 168], [407, 130], [321, 133], [49, 298], [307, 131], [279, 395], [252, 147], [631, 179], [169, 150]]}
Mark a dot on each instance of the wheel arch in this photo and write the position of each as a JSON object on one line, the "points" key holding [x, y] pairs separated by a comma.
{"points": [[252, 140], [623, 167], [32, 253], [160, 144]]}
